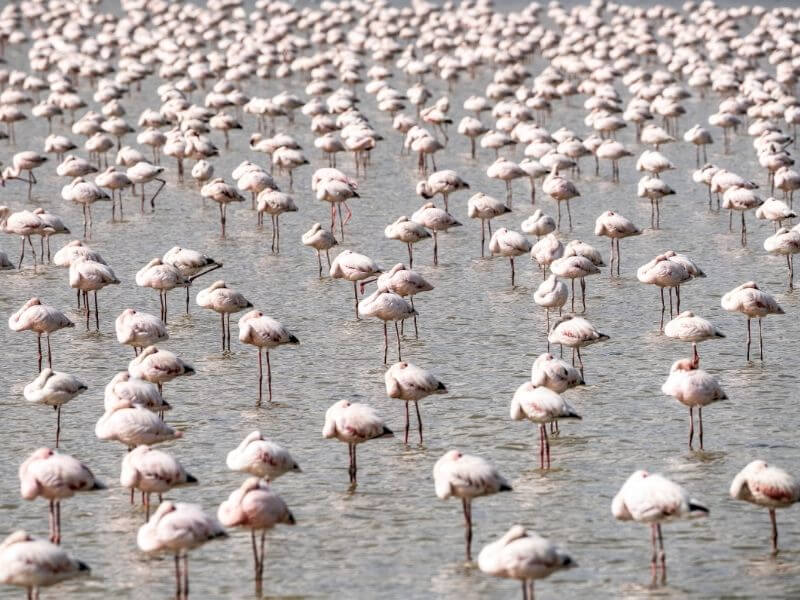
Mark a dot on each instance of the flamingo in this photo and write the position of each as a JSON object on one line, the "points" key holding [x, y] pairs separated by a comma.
{"points": [[89, 276], [509, 243], [653, 499], [441, 182], [768, 486], [654, 189], [26, 160], [274, 203], [436, 220], [547, 250], [139, 330], [84, 193], [552, 293], [178, 528], [523, 555], [32, 563], [467, 477], [484, 207], [554, 374], [55, 389], [405, 231], [255, 506], [538, 224], [123, 386], [51, 225], [691, 386], [163, 277], [320, 240], [265, 333], [353, 423], [152, 471], [387, 306], [54, 477], [786, 242], [225, 301], [664, 273], [410, 383], [191, 264], [575, 332], [41, 319], [132, 425], [776, 211], [141, 173], [333, 186], [542, 406], [613, 225], [354, 267], [24, 224], [223, 194], [688, 327], [158, 366], [574, 267], [261, 457], [560, 190], [753, 303]]}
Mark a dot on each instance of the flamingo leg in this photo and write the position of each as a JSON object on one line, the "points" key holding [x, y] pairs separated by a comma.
{"points": [[49, 353], [385, 342], [512, 271], [691, 426], [260, 376], [700, 418], [186, 575], [760, 341], [547, 440], [416, 331], [583, 293], [58, 424], [654, 556], [22, 254], [435, 249], [748, 339], [774, 530], [39, 344], [269, 376], [96, 313], [483, 235], [466, 504], [177, 577], [419, 420], [661, 554], [319, 262], [410, 257], [397, 333], [405, 438]]}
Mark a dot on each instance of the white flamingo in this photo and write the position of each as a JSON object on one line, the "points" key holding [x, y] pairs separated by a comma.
{"points": [[354, 267], [54, 477], [320, 240], [31, 563], [467, 477], [689, 327], [261, 457], [55, 389], [692, 387], [523, 555], [410, 383], [753, 303], [225, 301], [353, 423], [41, 319], [509, 243], [265, 333], [139, 330], [152, 471], [768, 486]]}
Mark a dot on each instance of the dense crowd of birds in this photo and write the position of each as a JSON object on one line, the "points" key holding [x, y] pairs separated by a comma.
{"points": [[83, 63]]}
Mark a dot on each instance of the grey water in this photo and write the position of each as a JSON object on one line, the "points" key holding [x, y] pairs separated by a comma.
{"points": [[391, 537]]}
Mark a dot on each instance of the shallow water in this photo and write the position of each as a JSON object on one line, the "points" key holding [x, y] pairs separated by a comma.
{"points": [[392, 537]]}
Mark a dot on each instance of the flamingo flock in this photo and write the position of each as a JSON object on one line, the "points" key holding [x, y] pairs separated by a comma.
{"points": [[226, 109]]}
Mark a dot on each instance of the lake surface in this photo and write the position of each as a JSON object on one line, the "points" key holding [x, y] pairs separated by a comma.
{"points": [[391, 537]]}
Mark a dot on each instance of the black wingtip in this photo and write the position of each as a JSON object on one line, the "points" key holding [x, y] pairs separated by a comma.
{"points": [[82, 566], [694, 507], [293, 339], [441, 387], [504, 487], [191, 478], [387, 432], [291, 520], [99, 485]]}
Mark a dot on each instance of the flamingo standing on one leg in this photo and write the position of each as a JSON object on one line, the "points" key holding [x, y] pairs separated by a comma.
{"points": [[353, 423], [768, 486], [467, 477], [54, 389], [688, 327], [261, 457], [139, 330]]}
